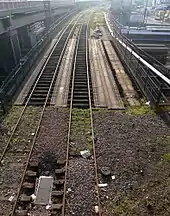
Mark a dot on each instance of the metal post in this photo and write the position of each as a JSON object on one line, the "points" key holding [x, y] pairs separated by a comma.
{"points": [[163, 18], [145, 12], [130, 11]]}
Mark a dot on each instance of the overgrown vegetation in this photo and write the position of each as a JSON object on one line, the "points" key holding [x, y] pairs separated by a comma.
{"points": [[166, 157], [24, 133], [124, 206], [140, 110], [81, 130]]}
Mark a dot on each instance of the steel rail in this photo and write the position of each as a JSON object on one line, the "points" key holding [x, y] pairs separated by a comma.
{"points": [[41, 117], [27, 102], [91, 117], [69, 126], [70, 119]]}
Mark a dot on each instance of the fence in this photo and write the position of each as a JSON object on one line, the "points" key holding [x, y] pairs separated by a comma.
{"points": [[148, 73]]}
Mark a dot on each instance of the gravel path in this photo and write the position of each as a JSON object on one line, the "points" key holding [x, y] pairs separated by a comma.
{"points": [[135, 148]]}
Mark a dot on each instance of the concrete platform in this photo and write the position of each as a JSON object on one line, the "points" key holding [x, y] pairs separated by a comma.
{"points": [[61, 89], [123, 79], [105, 91]]}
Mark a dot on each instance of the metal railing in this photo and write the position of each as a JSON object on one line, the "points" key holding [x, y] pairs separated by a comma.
{"points": [[151, 77]]}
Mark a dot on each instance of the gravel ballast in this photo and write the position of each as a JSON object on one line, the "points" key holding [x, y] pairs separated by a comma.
{"points": [[13, 163], [81, 196], [136, 149], [52, 137], [50, 145]]}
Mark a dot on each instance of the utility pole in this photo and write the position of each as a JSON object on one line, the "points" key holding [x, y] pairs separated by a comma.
{"points": [[47, 10], [130, 11], [145, 11]]}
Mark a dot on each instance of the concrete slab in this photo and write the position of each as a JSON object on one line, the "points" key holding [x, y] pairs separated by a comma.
{"points": [[44, 190]]}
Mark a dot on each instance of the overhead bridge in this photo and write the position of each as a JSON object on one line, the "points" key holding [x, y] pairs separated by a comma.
{"points": [[150, 75]]}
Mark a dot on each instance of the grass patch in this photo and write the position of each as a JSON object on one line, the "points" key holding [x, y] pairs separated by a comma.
{"points": [[140, 110], [12, 117], [125, 206], [23, 135], [166, 157], [27, 126], [81, 127]]}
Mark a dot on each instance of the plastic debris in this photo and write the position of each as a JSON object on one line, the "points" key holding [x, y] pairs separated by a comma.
{"points": [[72, 144], [33, 134], [11, 198], [113, 177], [48, 207], [33, 197], [96, 209], [148, 103], [85, 153], [102, 185], [69, 190], [2, 161]]}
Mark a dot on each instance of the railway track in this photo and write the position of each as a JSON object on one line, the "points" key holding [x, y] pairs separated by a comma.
{"points": [[40, 91], [80, 93], [41, 76], [13, 149], [81, 97], [80, 89]]}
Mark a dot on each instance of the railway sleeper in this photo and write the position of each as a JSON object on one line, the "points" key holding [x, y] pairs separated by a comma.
{"points": [[38, 95], [77, 96], [81, 105]]}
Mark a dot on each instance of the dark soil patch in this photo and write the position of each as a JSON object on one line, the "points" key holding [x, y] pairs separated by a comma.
{"points": [[136, 148]]}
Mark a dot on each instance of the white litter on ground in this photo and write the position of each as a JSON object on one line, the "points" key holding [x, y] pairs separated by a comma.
{"points": [[102, 185]]}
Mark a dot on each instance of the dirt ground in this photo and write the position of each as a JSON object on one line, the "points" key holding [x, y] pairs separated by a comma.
{"points": [[136, 148]]}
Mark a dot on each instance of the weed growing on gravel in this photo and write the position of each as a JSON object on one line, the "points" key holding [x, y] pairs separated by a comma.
{"points": [[81, 128], [166, 157], [140, 110], [11, 119], [124, 207], [28, 125]]}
